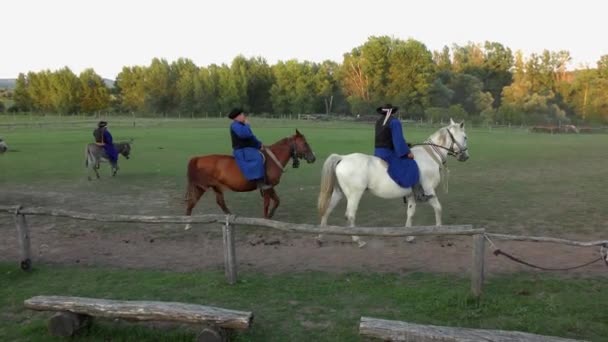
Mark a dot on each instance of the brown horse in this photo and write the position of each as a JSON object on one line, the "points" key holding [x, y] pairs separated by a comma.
{"points": [[220, 173]]}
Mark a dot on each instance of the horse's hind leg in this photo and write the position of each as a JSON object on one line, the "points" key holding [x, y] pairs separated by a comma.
{"points": [[336, 196], [353, 198], [219, 198], [193, 194]]}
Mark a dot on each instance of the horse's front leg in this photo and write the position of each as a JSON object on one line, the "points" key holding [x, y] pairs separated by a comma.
{"points": [[266, 196], [434, 202], [411, 209], [276, 201]]}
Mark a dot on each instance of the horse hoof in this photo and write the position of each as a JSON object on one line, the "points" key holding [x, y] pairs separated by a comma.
{"points": [[188, 226], [361, 243], [319, 242], [410, 239]]}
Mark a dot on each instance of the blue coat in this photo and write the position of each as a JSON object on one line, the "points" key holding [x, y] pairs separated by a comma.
{"points": [[109, 146], [249, 159], [401, 169]]}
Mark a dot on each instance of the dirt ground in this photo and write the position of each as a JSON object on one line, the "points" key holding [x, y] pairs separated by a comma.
{"points": [[170, 247]]}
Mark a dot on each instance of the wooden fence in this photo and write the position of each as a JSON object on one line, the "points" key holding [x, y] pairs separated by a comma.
{"points": [[230, 222]]}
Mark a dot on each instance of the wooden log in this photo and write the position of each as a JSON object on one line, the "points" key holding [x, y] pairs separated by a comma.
{"points": [[477, 267], [403, 331], [213, 334], [23, 235], [229, 253], [547, 239], [363, 231], [259, 222], [144, 310], [120, 218], [66, 324]]}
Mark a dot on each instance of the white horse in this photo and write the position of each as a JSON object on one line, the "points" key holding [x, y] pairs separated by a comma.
{"points": [[350, 175]]}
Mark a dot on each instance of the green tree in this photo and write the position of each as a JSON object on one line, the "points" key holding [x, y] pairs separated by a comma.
{"points": [[21, 95], [95, 95], [66, 91], [130, 83]]}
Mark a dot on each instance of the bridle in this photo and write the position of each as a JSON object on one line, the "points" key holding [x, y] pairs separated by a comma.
{"points": [[293, 155], [451, 151]]}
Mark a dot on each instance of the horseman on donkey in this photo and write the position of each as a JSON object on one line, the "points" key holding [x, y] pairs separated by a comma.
{"points": [[104, 149], [104, 139]]}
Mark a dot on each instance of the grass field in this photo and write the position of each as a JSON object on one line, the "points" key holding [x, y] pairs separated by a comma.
{"points": [[515, 182]]}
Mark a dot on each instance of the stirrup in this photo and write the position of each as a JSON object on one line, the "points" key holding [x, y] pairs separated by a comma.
{"points": [[423, 197], [263, 186]]}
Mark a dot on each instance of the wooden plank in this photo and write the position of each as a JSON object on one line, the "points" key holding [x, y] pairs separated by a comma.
{"points": [[229, 253], [144, 310], [477, 267], [23, 235], [388, 330]]}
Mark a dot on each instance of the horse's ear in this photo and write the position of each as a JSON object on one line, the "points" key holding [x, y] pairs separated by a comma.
{"points": [[298, 132], [462, 124], [452, 122]]}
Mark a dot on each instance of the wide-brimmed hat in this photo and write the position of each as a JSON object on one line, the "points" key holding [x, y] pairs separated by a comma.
{"points": [[235, 112], [384, 109], [102, 124]]}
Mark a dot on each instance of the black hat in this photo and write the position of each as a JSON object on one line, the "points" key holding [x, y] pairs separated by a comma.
{"points": [[235, 112], [384, 109], [102, 124]]}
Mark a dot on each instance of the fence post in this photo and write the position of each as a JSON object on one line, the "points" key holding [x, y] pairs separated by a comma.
{"points": [[229, 252], [24, 242], [477, 267]]}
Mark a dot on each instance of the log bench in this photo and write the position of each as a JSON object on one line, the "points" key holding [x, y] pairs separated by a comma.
{"points": [[387, 330], [75, 313]]}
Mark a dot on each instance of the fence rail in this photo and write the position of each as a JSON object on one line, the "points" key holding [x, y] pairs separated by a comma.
{"points": [[229, 222]]}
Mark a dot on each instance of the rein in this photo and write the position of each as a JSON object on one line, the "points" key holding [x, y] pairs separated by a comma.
{"points": [[292, 152], [451, 150]]}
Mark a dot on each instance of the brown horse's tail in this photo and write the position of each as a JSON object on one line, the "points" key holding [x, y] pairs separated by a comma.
{"points": [[193, 179], [328, 182]]}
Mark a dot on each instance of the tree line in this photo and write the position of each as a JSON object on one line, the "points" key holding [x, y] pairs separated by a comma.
{"points": [[486, 83]]}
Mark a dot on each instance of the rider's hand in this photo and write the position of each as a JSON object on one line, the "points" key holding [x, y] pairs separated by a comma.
{"points": [[410, 155]]}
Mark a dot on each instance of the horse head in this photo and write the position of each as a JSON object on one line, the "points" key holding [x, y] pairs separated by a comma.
{"points": [[301, 149], [125, 148], [458, 138]]}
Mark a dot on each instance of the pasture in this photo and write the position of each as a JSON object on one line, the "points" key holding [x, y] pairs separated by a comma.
{"points": [[515, 182]]}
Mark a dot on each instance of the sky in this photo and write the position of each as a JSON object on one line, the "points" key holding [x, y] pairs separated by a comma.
{"points": [[110, 34]]}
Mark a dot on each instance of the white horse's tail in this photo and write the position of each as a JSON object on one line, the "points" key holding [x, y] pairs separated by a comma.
{"points": [[328, 182]]}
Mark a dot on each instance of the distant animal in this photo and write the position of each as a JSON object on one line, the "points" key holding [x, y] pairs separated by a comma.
{"points": [[3, 146], [94, 154]]}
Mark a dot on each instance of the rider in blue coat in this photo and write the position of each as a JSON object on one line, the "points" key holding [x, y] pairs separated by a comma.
{"points": [[104, 138], [390, 146], [246, 149]]}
